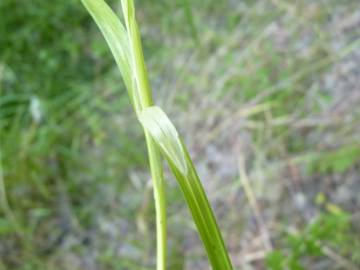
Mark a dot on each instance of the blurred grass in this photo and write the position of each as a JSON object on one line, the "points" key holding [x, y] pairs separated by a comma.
{"points": [[72, 161], [62, 141]]}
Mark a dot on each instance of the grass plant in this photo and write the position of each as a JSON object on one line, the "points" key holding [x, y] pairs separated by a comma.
{"points": [[265, 82], [160, 134]]}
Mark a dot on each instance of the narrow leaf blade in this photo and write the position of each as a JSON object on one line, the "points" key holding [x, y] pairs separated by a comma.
{"points": [[116, 38], [163, 132]]}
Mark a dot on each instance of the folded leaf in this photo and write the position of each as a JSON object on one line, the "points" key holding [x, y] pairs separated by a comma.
{"points": [[163, 132]]}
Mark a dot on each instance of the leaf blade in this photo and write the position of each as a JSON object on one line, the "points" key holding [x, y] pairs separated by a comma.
{"points": [[123, 51], [117, 40], [163, 132]]}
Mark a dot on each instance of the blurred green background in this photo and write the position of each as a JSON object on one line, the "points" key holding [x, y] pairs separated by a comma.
{"points": [[266, 94]]}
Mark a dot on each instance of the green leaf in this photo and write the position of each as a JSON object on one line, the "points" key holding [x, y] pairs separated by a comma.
{"points": [[136, 54], [126, 48], [117, 39], [160, 134], [190, 18], [163, 132]]}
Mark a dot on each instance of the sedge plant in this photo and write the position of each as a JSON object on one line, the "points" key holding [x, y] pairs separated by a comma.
{"points": [[161, 136]]}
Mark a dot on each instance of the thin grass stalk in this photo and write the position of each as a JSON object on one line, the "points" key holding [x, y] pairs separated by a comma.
{"points": [[4, 204], [145, 96], [127, 51], [160, 201], [160, 134], [190, 18]]}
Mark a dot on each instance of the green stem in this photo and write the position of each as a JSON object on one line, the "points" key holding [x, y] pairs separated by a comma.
{"points": [[4, 203], [145, 100], [125, 45], [160, 201]]}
